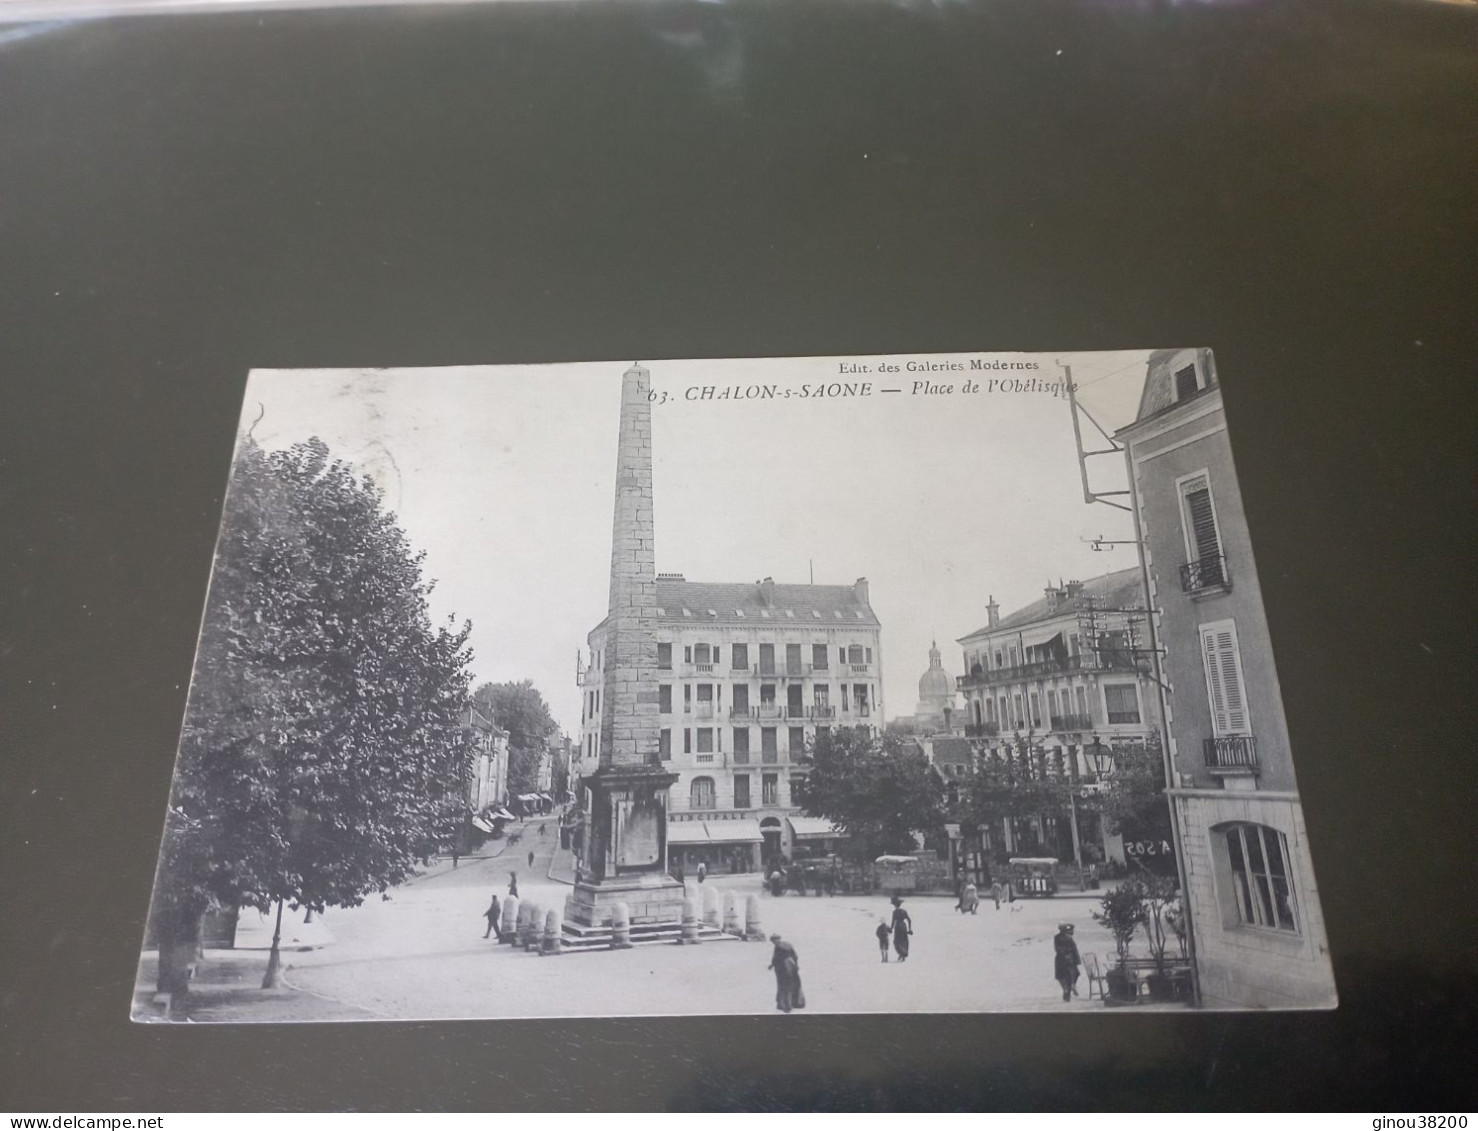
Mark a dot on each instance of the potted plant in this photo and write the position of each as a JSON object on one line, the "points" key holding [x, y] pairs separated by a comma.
{"points": [[1159, 897], [1123, 913]]}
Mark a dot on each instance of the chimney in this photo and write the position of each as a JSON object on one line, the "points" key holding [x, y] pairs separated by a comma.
{"points": [[767, 592], [860, 587], [1074, 589], [993, 613]]}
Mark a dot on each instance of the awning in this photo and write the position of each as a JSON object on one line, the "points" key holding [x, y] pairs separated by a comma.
{"points": [[1042, 636], [528, 797], [687, 832], [503, 814], [813, 828], [734, 832], [546, 797], [481, 825]]}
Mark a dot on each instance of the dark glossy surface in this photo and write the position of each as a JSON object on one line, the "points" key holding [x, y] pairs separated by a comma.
{"points": [[1291, 184]]}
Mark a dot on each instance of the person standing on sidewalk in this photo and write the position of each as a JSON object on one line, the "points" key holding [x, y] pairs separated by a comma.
{"points": [[1065, 960], [787, 966], [513, 884], [883, 933]]}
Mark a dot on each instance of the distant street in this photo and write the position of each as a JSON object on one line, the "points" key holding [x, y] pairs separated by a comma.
{"points": [[421, 954]]}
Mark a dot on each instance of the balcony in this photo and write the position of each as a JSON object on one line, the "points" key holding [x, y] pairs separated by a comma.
{"points": [[1042, 668], [1206, 575], [698, 669], [1071, 722], [1231, 754], [782, 711], [859, 669], [982, 730], [782, 669]]}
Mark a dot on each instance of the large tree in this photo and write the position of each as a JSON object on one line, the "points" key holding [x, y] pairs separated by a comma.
{"points": [[878, 791], [322, 757], [519, 708]]}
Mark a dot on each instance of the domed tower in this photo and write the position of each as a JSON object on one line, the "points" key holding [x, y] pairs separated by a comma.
{"points": [[936, 695]]}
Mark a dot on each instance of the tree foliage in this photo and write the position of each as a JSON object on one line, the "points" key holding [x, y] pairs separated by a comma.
{"points": [[519, 708], [322, 756], [1134, 795], [877, 791]]}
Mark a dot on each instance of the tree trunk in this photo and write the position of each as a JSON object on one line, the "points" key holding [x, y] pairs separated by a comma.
{"points": [[274, 959], [179, 933]]}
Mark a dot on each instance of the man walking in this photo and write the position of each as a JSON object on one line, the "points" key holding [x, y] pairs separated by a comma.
{"points": [[787, 966], [491, 915]]}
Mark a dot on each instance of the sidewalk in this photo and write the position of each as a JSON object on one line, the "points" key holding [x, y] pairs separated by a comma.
{"points": [[227, 988]]}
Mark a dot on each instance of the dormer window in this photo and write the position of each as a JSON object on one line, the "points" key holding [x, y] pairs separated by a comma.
{"points": [[1188, 375]]}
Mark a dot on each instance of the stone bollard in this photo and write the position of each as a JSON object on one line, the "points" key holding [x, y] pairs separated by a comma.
{"points": [[620, 927], [752, 932], [508, 924], [690, 922], [553, 929], [710, 906], [732, 926], [536, 921]]}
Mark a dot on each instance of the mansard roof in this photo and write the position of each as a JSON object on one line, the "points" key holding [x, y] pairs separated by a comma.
{"points": [[1121, 589], [742, 603]]}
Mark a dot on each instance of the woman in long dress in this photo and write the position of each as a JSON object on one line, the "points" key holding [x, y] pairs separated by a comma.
{"points": [[902, 929]]}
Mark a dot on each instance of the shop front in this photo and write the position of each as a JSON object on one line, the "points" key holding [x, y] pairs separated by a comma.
{"points": [[723, 847], [813, 837]]}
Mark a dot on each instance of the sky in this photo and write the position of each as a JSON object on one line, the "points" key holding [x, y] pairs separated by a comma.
{"points": [[505, 477]]}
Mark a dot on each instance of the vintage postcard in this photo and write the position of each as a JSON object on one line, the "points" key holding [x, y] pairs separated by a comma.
{"points": [[935, 683]]}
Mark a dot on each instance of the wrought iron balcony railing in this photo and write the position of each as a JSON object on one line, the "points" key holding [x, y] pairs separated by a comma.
{"points": [[1236, 752], [1204, 574], [1072, 722], [1105, 661]]}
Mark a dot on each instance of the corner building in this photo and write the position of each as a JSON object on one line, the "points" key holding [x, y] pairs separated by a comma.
{"points": [[746, 674], [1258, 930]]}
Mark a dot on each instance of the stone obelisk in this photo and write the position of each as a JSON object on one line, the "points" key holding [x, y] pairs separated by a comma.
{"points": [[626, 832]]}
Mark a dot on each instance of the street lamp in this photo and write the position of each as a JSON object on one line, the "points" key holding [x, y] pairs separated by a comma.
{"points": [[1101, 757]]}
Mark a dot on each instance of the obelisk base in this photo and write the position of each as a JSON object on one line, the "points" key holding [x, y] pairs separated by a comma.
{"points": [[626, 850]]}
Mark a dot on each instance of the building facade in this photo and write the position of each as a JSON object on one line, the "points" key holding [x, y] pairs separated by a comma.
{"points": [[1062, 673], [487, 787], [1258, 931], [746, 673]]}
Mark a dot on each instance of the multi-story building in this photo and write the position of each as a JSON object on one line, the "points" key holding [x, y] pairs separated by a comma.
{"points": [[746, 675], [1257, 929], [488, 785], [1064, 672]]}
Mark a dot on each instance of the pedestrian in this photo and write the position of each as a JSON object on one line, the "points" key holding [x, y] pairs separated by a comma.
{"points": [[995, 892], [902, 928], [787, 966], [531, 858], [456, 855], [1065, 960], [492, 915], [513, 884], [883, 933], [969, 900], [777, 881], [702, 871]]}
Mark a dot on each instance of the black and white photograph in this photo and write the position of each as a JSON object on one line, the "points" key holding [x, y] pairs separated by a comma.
{"points": [[853, 685]]}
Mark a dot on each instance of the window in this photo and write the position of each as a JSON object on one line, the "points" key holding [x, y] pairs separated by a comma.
{"points": [[705, 740], [1205, 565], [770, 788], [1018, 716], [1224, 684], [767, 695], [741, 699], [822, 696], [797, 742], [687, 740], [793, 659], [1083, 702], [1014, 656], [868, 652], [1036, 706], [769, 750], [1122, 702], [819, 656], [687, 653], [664, 657], [842, 654], [741, 791], [741, 744], [1257, 857], [702, 795], [855, 654], [767, 659], [1000, 660], [687, 698], [1052, 712], [740, 660], [859, 696], [705, 693], [702, 654], [1005, 713], [1185, 382], [664, 745], [664, 698]]}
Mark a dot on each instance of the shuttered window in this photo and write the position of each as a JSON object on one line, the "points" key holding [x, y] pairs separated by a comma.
{"points": [[1224, 683], [1185, 382], [1202, 538]]}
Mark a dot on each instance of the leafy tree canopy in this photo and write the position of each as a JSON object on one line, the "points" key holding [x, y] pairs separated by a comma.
{"points": [[877, 791], [519, 708], [322, 753]]}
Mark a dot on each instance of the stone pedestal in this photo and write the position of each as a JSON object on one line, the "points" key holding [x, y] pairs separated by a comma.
{"points": [[626, 850]]}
